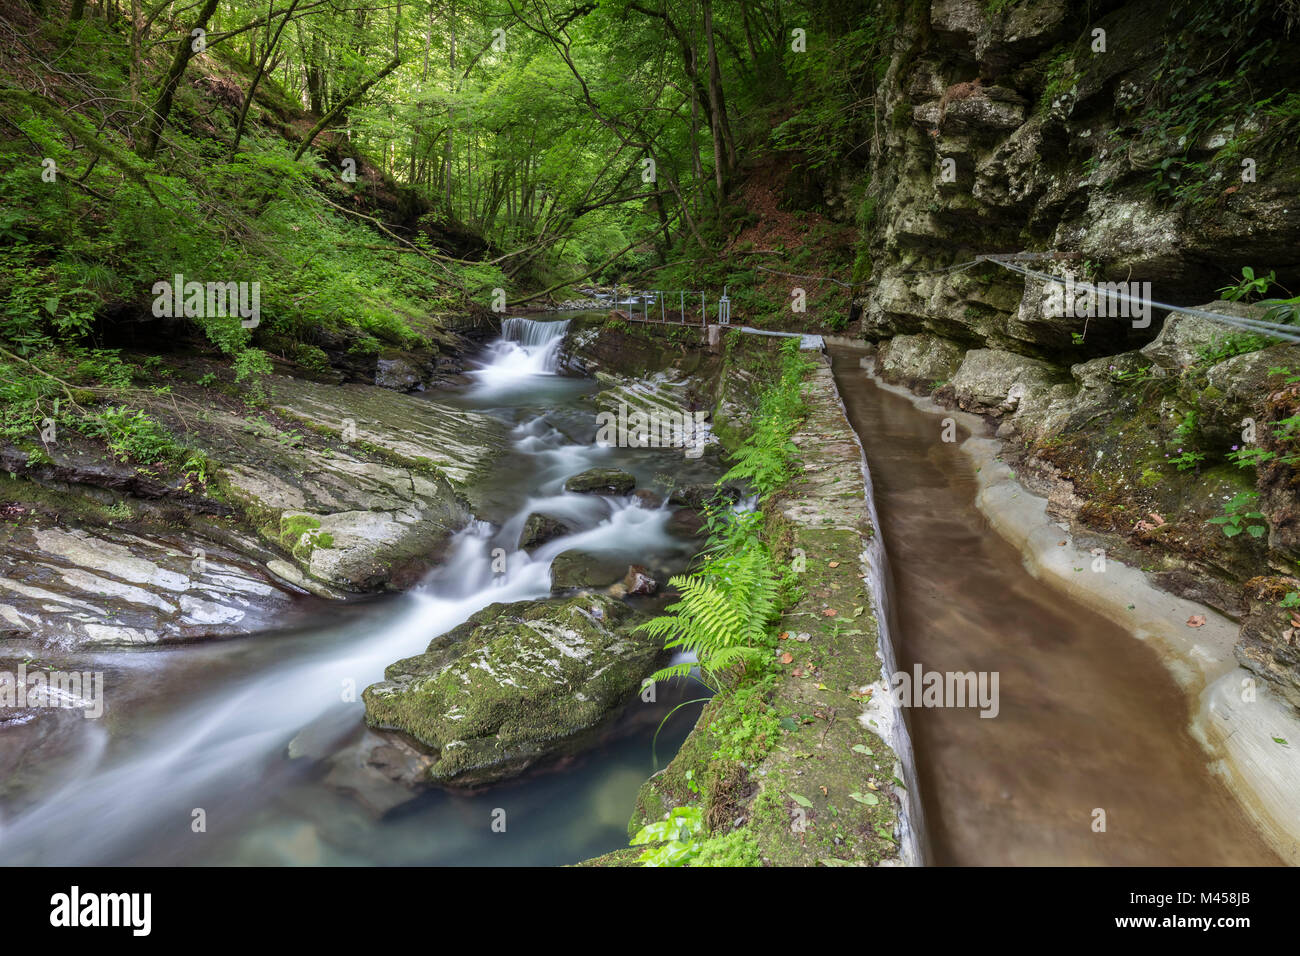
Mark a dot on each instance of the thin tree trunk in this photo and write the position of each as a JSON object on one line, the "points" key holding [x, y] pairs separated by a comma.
{"points": [[163, 105], [724, 149], [343, 104], [261, 69]]}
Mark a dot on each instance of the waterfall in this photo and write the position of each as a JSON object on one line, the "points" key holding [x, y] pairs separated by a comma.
{"points": [[532, 333], [527, 348], [539, 340]]}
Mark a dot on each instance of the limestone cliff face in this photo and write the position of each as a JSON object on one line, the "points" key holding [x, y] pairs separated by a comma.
{"points": [[1095, 154], [1148, 141]]}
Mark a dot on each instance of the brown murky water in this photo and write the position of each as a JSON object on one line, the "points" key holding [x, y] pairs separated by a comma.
{"points": [[1089, 718]]}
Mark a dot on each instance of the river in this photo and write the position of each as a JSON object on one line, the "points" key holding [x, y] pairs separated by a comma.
{"points": [[247, 752]]}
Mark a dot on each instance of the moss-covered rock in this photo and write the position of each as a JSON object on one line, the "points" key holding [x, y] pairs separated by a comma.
{"points": [[539, 529], [514, 684], [601, 481], [573, 570]]}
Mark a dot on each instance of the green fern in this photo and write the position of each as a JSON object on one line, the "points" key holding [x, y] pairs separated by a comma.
{"points": [[768, 458], [724, 613]]}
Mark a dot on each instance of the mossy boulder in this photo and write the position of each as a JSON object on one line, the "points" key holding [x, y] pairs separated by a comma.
{"points": [[572, 570], [539, 529], [601, 481], [1184, 338], [514, 684]]}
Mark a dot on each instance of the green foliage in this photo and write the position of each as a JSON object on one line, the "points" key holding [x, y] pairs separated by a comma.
{"points": [[1236, 518], [677, 836], [252, 366], [727, 606], [768, 458], [1227, 347], [737, 848], [834, 114], [1223, 71], [1250, 286], [1059, 78], [1282, 310], [1187, 460], [1251, 456], [747, 727], [133, 435]]}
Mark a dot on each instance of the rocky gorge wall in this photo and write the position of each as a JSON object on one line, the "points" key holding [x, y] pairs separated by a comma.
{"points": [[1126, 142]]}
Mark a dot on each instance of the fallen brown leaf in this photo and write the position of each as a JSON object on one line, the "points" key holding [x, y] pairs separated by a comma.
{"points": [[1196, 620], [786, 658]]}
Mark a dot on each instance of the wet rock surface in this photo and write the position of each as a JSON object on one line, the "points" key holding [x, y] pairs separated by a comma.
{"points": [[574, 570], [601, 481], [81, 587], [515, 684], [539, 529]]}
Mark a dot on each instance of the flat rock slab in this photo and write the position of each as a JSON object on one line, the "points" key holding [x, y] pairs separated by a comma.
{"points": [[75, 587], [512, 685], [350, 524], [421, 433]]}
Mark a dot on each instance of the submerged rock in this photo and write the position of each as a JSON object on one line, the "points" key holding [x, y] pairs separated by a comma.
{"points": [[573, 570], [601, 481], [512, 685]]}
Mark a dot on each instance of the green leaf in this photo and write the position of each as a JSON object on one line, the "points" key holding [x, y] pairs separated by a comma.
{"points": [[863, 749], [801, 800], [870, 799]]}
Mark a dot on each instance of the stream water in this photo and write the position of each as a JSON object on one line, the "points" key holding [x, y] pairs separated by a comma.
{"points": [[1089, 717], [253, 732], [256, 735]]}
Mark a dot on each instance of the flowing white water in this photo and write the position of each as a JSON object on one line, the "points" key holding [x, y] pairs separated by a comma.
{"points": [[527, 347], [228, 742]]}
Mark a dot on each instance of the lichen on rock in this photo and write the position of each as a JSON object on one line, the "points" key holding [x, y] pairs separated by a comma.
{"points": [[514, 684]]}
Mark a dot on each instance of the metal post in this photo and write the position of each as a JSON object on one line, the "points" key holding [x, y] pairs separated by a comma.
{"points": [[681, 311], [663, 317], [724, 308], [704, 314]]}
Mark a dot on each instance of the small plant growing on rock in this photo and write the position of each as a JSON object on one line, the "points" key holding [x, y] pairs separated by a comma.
{"points": [[1250, 287], [1236, 519]]}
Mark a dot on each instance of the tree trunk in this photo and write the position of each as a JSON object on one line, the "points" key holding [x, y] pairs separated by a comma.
{"points": [[724, 148], [343, 104], [257, 77], [163, 105]]}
